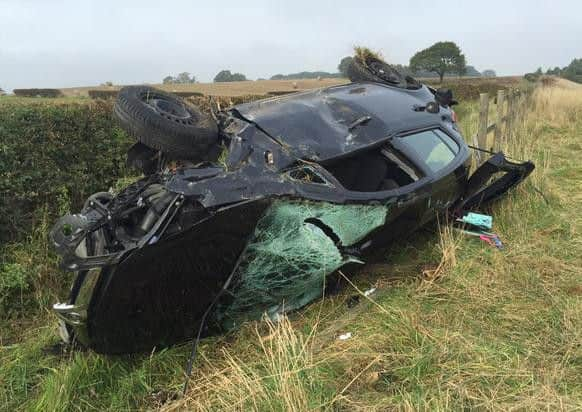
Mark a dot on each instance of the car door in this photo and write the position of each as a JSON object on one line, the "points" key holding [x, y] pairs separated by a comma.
{"points": [[491, 180]]}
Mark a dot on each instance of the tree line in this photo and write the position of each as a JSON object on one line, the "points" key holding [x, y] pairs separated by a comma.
{"points": [[572, 72], [439, 60]]}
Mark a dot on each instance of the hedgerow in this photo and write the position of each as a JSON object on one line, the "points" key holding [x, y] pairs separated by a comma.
{"points": [[52, 156]]}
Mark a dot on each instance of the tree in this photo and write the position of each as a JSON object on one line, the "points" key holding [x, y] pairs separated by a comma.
{"points": [[470, 71], [440, 58], [344, 64], [573, 71], [2, 92], [227, 76], [182, 78], [185, 78], [539, 71], [489, 73], [306, 75]]}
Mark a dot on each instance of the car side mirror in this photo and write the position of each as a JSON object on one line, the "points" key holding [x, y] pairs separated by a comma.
{"points": [[444, 97]]}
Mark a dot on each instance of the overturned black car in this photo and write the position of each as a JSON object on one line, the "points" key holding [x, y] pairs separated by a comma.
{"points": [[306, 184]]}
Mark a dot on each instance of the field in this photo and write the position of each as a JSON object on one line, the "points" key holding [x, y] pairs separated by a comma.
{"points": [[263, 87], [453, 325], [259, 87]]}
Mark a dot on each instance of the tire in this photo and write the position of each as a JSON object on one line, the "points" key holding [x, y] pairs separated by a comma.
{"points": [[376, 71], [164, 122]]}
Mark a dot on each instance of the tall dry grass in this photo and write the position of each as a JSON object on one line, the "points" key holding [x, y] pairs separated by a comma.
{"points": [[283, 376]]}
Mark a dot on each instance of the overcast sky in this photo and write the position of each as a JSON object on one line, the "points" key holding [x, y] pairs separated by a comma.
{"points": [[62, 43]]}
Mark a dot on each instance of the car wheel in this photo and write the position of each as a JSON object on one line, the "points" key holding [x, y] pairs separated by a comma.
{"points": [[375, 70], [165, 122]]}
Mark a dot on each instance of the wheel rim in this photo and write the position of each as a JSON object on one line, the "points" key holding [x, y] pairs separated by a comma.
{"points": [[384, 72], [168, 108]]}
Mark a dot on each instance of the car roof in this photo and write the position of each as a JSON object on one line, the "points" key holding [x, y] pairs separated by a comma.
{"points": [[326, 123]]}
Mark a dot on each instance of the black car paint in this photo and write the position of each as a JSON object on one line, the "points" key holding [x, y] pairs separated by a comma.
{"points": [[153, 291]]}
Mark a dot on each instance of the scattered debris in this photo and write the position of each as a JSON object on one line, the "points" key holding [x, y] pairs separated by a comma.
{"points": [[353, 301], [476, 224], [369, 292], [477, 219], [345, 336]]}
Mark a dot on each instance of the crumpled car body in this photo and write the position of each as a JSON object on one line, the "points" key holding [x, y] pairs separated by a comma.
{"points": [[311, 182]]}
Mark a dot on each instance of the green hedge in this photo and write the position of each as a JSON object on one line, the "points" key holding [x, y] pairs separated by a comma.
{"points": [[38, 92], [112, 94], [102, 94], [53, 155]]}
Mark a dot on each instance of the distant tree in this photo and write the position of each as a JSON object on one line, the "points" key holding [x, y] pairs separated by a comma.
{"points": [[185, 78], [2, 92], [306, 75], [227, 76], [489, 73], [539, 71], [440, 58], [344, 64], [556, 71], [404, 70], [471, 71], [238, 77], [573, 71], [182, 78]]}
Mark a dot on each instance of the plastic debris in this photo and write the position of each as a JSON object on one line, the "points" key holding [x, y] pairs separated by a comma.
{"points": [[369, 291], [492, 239], [479, 226], [353, 301], [477, 219], [345, 336]]}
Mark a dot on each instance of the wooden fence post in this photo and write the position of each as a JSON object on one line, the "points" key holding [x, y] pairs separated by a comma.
{"points": [[483, 115], [508, 121], [499, 122]]}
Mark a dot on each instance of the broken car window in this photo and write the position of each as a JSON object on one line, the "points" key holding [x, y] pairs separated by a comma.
{"points": [[375, 170]]}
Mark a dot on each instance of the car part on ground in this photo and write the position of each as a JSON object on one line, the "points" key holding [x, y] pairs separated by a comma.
{"points": [[164, 122], [311, 182]]}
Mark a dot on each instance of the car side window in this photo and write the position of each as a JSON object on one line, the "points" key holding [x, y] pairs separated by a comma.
{"points": [[432, 148], [375, 170], [454, 146]]}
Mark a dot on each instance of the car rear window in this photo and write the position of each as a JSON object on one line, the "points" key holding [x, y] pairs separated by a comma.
{"points": [[433, 147]]}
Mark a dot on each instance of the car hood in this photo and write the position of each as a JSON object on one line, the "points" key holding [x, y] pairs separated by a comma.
{"points": [[327, 123]]}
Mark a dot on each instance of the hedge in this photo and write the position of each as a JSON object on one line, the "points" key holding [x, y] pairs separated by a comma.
{"points": [[102, 94], [37, 92], [111, 94], [54, 155]]}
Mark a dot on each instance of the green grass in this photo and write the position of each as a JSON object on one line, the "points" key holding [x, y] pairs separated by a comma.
{"points": [[490, 330]]}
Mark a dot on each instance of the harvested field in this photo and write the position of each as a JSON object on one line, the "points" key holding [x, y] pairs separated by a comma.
{"points": [[464, 86]]}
